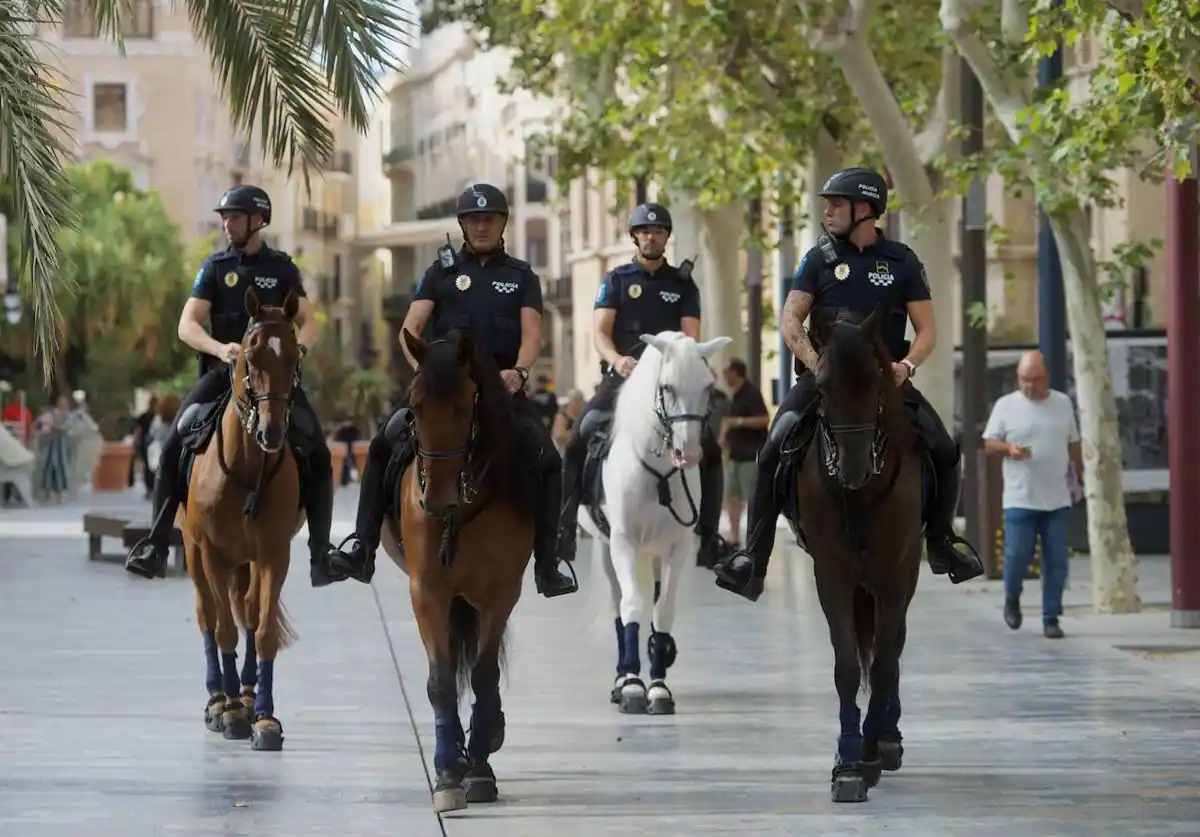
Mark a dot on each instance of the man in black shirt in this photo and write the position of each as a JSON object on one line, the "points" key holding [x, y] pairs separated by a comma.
{"points": [[855, 268], [743, 432]]}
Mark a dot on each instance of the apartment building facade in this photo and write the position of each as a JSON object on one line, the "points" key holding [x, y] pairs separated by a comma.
{"points": [[157, 110], [444, 125]]}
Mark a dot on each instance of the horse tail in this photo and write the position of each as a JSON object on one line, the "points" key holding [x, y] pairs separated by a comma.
{"points": [[464, 640], [864, 632], [283, 626]]}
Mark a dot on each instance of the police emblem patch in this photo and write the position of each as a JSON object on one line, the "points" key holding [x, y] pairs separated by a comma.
{"points": [[841, 271], [881, 275], [481, 202], [231, 279], [650, 216], [463, 283], [635, 291]]}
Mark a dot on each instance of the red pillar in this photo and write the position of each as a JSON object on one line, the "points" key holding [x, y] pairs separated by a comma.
{"points": [[1183, 395]]}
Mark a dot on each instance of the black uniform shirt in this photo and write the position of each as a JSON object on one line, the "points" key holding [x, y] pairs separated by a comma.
{"points": [[884, 277], [223, 281], [646, 303]]}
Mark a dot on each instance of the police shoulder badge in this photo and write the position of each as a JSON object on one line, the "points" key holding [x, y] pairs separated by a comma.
{"points": [[231, 279], [635, 291], [841, 271], [463, 282]]}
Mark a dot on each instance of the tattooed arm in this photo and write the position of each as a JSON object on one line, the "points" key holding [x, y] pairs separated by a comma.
{"points": [[795, 311]]}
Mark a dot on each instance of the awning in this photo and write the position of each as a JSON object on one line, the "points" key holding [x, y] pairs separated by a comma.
{"points": [[410, 233]]}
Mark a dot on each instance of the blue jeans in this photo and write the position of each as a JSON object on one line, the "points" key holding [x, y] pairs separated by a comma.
{"points": [[1021, 528]]}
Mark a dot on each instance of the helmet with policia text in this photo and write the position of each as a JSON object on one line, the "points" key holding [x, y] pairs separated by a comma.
{"points": [[479, 198], [249, 199], [649, 215], [858, 185]]}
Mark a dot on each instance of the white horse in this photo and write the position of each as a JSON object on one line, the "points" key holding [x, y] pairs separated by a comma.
{"points": [[652, 501]]}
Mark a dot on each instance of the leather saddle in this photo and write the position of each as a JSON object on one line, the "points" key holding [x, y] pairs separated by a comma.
{"points": [[596, 429], [197, 424]]}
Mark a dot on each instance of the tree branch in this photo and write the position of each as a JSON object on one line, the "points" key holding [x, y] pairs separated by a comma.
{"points": [[1014, 21], [933, 139], [1008, 94]]}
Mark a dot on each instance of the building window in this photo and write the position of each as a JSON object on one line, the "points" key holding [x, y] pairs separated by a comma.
{"points": [[78, 21], [110, 108]]}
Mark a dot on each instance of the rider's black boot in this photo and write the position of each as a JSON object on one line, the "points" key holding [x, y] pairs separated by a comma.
{"points": [[744, 571], [570, 486], [546, 575], [355, 558], [148, 558], [713, 547], [941, 541], [319, 510]]}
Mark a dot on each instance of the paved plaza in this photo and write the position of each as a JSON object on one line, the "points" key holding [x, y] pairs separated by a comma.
{"points": [[1006, 733]]}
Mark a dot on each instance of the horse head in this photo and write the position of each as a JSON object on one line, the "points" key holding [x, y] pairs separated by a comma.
{"points": [[854, 380], [267, 370], [683, 385], [444, 399]]}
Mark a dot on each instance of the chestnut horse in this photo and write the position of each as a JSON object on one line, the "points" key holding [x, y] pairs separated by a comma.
{"points": [[859, 501], [464, 536], [243, 510]]}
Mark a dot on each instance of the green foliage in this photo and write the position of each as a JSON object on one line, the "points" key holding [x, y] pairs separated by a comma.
{"points": [[722, 99], [285, 69], [340, 390]]}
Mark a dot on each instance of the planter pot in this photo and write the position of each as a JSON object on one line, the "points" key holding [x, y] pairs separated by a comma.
{"points": [[337, 455], [112, 471], [360, 456]]}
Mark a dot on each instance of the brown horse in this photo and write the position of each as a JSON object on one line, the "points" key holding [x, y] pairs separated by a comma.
{"points": [[859, 496], [464, 535], [242, 512]]}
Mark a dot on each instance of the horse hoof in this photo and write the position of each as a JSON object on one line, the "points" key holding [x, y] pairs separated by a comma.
{"points": [[661, 702], [213, 713], [891, 753], [235, 724], [267, 735], [848, 787], [614, 694], [871, 772], [633, 698], [479, 784]]}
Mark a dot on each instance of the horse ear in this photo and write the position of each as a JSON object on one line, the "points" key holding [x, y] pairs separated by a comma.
{"points": [[416, 346], [710, 347], [253, 306], [870, 326], [466, 349], [655, 341], [291, 306]]}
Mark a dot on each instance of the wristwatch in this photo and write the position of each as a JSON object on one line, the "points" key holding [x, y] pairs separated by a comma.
{"points": [[523, 372], [912, 368]]}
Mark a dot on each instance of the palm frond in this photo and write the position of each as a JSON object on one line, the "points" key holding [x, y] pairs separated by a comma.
{"points": [[263, 56], [35, 115]]}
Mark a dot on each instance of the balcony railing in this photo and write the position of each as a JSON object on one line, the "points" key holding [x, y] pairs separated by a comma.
{"points": [[310, 220], [329, 225], [398, 155], [339, 161], [558, 291]]}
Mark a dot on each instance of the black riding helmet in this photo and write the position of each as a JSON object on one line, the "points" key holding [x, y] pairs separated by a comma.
{"points": [[858, 185], [249, 199], [649, 215], [480, 198]]}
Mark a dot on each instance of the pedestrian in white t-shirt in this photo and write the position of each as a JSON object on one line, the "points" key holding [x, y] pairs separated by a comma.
{"points": [[1035, 430]]}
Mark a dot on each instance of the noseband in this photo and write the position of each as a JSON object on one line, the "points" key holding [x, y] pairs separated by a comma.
{"points": [[830, 432], [666, 420], [468, 491]]}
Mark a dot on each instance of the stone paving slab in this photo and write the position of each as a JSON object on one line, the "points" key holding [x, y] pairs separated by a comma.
{"points": [[1007, 733]]}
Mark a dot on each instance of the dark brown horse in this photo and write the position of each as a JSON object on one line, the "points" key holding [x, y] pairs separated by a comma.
{"points": [[242, 512], [466, 523], [860, 501]]}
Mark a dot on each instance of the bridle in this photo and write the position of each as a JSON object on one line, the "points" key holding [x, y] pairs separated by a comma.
{"points": [[830, 432], [666, 421], [247, 403], [468, 485]]}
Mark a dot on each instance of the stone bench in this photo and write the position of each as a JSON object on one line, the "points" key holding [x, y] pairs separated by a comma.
{"points": [[100, 526]]}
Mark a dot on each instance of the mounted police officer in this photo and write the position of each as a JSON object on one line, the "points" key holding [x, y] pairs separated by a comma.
{"points": [[854, 268], [645, 296], [218, 298], [497, 299]]}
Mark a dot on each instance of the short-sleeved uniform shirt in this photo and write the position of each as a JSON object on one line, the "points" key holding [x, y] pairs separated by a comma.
{"points": [[1046, 428], [223, 281], [646, 303], [483, 299], [884, 277]]}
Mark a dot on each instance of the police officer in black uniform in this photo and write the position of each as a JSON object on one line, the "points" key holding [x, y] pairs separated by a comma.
{"points": [[219, 297], [854, 268], [497, 299], [645, 296]]}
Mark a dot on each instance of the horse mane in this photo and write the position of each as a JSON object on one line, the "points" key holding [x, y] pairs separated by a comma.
{"points": [[508, 474], [858, 361]]}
